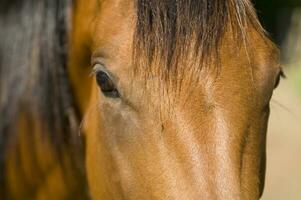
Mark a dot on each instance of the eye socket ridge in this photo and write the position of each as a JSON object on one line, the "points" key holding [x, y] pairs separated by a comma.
{"points": [[105, 82]]}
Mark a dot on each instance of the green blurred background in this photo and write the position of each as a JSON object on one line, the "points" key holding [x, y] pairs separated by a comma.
{"points": [[282, 19]]}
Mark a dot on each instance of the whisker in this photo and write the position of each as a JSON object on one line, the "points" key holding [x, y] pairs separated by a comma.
{"points": [[85, 117], [283, 107]]}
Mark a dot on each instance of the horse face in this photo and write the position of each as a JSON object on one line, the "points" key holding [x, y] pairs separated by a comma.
{"points": [[199, 135]]}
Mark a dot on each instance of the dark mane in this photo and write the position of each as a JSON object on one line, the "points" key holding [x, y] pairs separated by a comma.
{"points": [[33, 77], [167, 30]]}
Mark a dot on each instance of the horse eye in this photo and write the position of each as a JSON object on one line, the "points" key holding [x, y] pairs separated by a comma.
{"points": [[280, 75], [106, 84]]}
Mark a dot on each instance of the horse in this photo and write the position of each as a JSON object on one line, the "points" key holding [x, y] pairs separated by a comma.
{"points": [[134, 99]]}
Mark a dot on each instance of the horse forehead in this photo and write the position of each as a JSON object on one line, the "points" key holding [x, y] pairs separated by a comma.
{"points": [[113, 27], [114, 13]]}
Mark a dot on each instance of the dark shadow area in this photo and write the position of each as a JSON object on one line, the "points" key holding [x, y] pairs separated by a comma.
{"points": [[275, 15]]}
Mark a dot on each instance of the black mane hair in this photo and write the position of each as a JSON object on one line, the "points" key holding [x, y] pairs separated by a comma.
{"points": [[33, 76], [168, 31]]}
